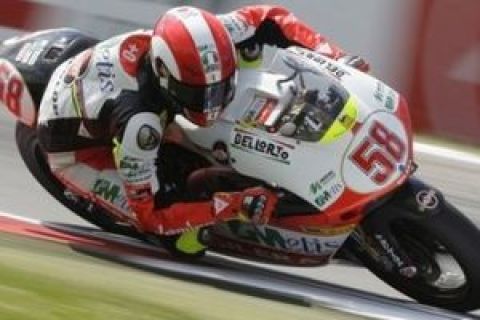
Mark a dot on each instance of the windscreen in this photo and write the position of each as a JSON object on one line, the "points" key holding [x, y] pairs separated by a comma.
{"points": [[313, 112]]}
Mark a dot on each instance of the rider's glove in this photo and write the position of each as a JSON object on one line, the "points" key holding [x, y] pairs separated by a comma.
{"points": [[254, 204], [355, 62]]}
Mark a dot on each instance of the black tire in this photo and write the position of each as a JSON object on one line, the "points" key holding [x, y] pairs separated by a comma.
{"points": [[32, 155], [420, 234]]}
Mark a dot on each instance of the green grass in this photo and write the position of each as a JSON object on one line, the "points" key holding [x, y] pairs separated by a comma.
{"points": [[41, 280]]}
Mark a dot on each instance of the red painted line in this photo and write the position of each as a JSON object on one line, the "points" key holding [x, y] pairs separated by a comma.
{"points": [[31, 230], [70, 237]]}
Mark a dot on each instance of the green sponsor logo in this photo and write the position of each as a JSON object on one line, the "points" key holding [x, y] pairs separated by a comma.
{"points": [[325, 189], [107, 190], [318, 185], [287, 241], [385, 96], [129, 163], [323, 198], [268, 236]]}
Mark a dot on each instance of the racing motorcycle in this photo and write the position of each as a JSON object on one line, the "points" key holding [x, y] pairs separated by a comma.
{"points": [[336, 143]]}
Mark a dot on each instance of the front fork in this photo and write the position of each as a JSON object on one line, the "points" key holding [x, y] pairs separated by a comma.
{"points": [[376, 236]]}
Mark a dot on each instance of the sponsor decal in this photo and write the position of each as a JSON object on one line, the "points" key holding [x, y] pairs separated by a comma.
{"points": [[427, 200], [111, 193], [259, 111], [210, 59], [270, 149], [385, 96], [30, 52], [136, 170], [248, 249], [390, 251], [285, 240], [55, 100], [235, 25], [333, 69], [58, 85], [105, 72], [148, 138], [129, 163], [327, 189], [319, 184], [132, 50]]}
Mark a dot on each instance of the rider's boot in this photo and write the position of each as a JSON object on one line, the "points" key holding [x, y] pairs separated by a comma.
{"points": [[187, 245]]}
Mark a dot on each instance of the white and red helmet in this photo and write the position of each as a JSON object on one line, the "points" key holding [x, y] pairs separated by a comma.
{"points": [[194, 58]]}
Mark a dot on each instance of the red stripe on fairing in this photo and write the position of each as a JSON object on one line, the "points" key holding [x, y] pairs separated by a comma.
{"points": [[224, 45], [403, 114], [184, 50], [68, 236]]}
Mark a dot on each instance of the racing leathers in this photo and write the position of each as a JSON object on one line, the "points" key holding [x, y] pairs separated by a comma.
{"points": [[103, 117]]}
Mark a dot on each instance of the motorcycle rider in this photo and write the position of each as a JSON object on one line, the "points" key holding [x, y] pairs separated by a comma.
{"points": [[121, 94]]}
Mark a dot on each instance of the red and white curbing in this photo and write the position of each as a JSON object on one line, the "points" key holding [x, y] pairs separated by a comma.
{"points": [[91, 239]]}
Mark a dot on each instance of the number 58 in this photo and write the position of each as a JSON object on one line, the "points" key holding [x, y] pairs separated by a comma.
{"points": [[379, 153]]}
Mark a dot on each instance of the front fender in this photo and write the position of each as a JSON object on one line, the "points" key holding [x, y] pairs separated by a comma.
{"points": [[418, 198]]}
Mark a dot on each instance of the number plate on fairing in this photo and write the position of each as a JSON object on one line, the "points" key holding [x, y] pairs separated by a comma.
{"points": [[14, 94], [378, 154]]}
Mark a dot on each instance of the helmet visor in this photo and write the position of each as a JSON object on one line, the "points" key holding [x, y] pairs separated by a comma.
{"points": [[207, 100]]}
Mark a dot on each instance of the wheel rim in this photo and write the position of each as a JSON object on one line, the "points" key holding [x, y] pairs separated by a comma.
{"points": [[452, 276], [438, 269]]}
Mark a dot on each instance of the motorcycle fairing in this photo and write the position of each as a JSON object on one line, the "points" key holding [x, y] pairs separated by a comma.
{"points": [[14, 94], [27, 64], [366, 159], [277, 244]]}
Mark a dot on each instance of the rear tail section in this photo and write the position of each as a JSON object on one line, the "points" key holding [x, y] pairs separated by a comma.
{"points": [[15, 96], [27, 63]]}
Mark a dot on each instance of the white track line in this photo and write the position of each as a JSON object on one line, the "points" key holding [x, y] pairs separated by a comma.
{"points": [[447, 153], [20, 218]]}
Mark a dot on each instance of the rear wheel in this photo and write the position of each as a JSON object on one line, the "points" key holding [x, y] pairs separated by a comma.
{"points": [[34, 158], [427, 250]]}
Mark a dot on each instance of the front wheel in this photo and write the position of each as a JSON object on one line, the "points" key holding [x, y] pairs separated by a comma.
{"points": [[424, 247]]}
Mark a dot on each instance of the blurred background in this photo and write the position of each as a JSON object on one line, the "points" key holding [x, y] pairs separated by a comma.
{"points": [[429, 50]]}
